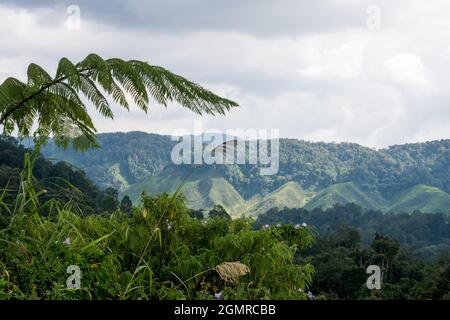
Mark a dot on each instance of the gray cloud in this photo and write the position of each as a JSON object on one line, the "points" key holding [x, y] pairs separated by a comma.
{"points": [[314, 71], [261, 17]]}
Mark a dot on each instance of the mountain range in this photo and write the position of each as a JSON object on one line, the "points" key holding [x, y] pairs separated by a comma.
{"points": [[400, 178]]}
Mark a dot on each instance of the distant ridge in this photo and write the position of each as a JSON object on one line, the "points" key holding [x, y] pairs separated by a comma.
{"points": [[311, 174]]}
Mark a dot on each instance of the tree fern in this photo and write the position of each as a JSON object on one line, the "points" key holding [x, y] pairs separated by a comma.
{"points": [[56, 104]]}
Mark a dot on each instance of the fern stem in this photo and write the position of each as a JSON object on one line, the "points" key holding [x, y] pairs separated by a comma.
{"points": [[34, 94]]}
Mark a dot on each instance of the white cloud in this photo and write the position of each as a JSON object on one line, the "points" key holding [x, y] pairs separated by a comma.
{"points": [[407, 68], [342, 62]]}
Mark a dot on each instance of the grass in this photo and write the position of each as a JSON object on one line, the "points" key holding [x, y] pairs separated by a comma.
{"points": [[156, 252], [159, 255]]}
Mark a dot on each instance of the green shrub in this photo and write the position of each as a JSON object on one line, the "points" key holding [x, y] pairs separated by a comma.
{"points": [[156, 252]]}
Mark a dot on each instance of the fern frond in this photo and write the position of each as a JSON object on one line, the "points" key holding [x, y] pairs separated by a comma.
{"points": [[67, 69], [37, 76], [130, 80], [166, 86], [97, 69], [95, 96], [11, 91], [59, 111]]}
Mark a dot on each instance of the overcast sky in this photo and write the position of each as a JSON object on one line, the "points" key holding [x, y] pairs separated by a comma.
{"points": [[371, 72]]}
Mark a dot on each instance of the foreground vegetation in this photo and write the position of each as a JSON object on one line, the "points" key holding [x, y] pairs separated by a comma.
{"points": [[157, 252]]}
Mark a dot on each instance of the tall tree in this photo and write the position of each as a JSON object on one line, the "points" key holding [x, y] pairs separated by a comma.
{"points": [[218, 211]]}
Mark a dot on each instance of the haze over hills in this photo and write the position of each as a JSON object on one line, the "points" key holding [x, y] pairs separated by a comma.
{"points": [[400, 178]]}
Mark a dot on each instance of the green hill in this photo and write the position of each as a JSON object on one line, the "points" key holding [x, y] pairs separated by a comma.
{"points": [[223, 193], [200, 193], [423, 198], [289, 195], [205, 192], [343, 193], [153, 185]]}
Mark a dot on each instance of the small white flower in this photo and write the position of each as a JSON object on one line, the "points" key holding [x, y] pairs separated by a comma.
{"points": [[304, 225], [310, 295], [266, 226], [300, 290], [67, 242], [297, 226], [218, 296], [279, 225]]}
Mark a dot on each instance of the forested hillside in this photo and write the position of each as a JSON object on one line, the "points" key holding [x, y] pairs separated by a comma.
{"points": [[122, 159], [425, 234], [60, 181], [415, 246], [396, 178]]}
